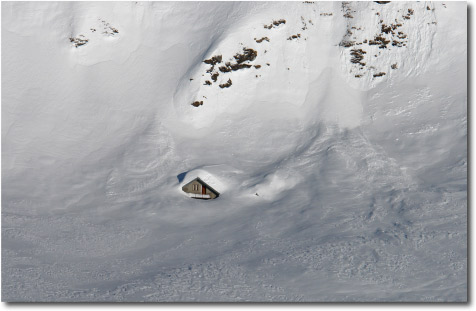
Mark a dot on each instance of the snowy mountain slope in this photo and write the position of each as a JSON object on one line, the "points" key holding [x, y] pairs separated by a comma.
{"points": [[335, 184]]}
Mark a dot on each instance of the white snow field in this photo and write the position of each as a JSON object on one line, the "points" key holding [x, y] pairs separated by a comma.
{"points": [[341, 161]]}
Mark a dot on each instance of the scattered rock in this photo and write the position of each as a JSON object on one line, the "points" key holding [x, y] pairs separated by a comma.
{"points": [[410, 13], [397, 43], [304, 25], [197, 103], [233, 67], [225, 68], [248, 54], [275, 24], [281, 21], [347, 10], [236, 67], [294, 36], [108, 29], [226, 85], [380, 74], [357, 56], [79, 41], [381, 41], [347, 44], [213, 60], [386, 29], [262, 39], [401, 35]]}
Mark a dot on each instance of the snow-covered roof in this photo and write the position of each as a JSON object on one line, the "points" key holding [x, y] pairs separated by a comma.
{"points": [[206, 184], [204, 176]]}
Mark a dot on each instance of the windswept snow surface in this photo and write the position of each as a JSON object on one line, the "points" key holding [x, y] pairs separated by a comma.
{"points": [[341, 161]]}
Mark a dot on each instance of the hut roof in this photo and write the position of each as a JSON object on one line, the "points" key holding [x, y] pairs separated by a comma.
{"points": [[205, 184]]}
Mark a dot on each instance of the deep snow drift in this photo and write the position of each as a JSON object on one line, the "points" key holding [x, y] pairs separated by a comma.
{"points": [[335, 133]]}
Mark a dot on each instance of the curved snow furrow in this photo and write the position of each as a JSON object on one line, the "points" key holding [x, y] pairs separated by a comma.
{"points": [[132, 179]]}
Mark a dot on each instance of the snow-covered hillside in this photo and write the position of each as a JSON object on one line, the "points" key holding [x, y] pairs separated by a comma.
{"points": [[335, 132]]}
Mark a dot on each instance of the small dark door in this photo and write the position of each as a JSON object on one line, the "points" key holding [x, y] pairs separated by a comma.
{"points": [[204, 189]]}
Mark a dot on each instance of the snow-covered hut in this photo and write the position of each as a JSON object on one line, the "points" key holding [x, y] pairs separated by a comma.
{"points": [[198, 189]]}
